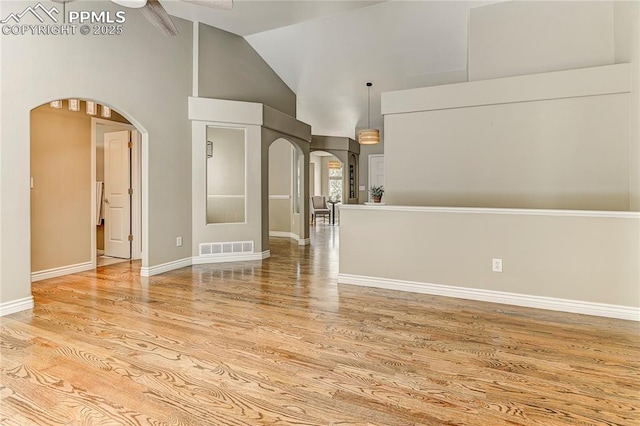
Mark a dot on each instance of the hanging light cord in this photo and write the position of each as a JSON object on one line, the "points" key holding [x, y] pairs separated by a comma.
{"points": [[369, 105]]}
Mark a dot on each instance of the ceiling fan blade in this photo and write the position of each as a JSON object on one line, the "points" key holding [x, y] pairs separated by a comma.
{"points": [[134, 4], [217, 4], [159, 18]]}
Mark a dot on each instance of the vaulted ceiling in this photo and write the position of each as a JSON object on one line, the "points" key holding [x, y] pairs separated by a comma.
{"points": [[326, 51]]}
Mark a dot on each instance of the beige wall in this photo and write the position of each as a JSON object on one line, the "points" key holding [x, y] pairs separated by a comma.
{"points": [[554, 256], [558, 154], [551, 256], [61, 195], [528, 37], [627, 49], [230, 69]]}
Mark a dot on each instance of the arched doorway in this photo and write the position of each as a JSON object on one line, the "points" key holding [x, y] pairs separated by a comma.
{"points": [[286, 199], [326, 176], [73, 177], [284, 190]]}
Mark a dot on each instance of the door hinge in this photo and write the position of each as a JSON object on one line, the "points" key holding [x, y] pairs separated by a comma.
{"points": [[130, 237], [130, 144], [130, 191]]}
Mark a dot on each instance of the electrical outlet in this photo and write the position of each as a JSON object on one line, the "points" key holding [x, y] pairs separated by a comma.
{"points": [[178, 241], [496, 265]]}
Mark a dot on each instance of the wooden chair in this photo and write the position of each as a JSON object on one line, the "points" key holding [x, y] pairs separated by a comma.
{"points": [[319, 208]]}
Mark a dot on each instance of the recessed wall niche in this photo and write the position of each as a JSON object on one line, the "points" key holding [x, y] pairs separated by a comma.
{"points": [[226, 175]]}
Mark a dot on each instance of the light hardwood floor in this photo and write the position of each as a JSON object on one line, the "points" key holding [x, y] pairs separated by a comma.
{"points": [[280, 343]]}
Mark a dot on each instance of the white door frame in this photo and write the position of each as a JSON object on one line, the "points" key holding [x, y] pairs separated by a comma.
{"points": [[371, 156], [136, 183]]}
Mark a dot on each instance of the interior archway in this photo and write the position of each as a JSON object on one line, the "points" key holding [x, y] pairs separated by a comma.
{"points": [[67, 214], [286, 202]]}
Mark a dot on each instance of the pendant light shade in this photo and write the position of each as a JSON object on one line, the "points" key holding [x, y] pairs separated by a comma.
{"points": [[335, 165], [74, 104], [106, 112], [91, 108], [369, 136]]}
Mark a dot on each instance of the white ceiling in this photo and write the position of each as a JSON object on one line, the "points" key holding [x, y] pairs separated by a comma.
{"points": [[326, 51]]}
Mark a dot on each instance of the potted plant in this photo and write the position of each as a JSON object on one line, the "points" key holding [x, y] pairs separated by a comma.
{"points": [[376, 193]]}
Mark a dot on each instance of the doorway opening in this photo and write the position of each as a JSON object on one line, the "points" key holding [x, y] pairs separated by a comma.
{"points": [[327, 180], [75, 161]]}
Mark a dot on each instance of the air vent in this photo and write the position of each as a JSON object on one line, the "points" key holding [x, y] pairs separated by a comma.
{"points": [[226, 248]]}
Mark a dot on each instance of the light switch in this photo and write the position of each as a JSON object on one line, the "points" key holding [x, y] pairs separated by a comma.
{"points": [[362, 188]]}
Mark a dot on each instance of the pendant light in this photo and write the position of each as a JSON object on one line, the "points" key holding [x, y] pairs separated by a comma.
{"points": [[369, 136], [74, 104], [336, 165], [106, 112], [91, 108]]}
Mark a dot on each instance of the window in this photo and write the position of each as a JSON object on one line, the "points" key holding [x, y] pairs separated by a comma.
{"points": [[335, 184]]}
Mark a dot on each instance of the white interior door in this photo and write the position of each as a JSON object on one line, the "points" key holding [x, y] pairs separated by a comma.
{"points": [[117, 200], [376, 171]]}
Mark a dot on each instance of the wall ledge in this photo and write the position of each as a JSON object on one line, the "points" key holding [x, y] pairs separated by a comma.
{"points": [[592, 81], [497, 211], [525, 300]]}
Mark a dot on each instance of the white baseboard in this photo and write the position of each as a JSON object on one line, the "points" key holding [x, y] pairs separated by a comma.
{"points": [[282, 234], [201, 260], [165, 267], [550, 303], [231, 257], [14, 306], [63, 270]]}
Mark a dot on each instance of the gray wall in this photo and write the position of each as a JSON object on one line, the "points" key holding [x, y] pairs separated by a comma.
{"points": [[556, 154], [230, 69], [143, 75], [226, 175], [572, 153], [528, 37], [575, 258], [146, 77]]}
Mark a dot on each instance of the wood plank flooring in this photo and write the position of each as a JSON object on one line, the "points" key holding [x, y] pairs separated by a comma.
{"points": [[278, 342]]}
